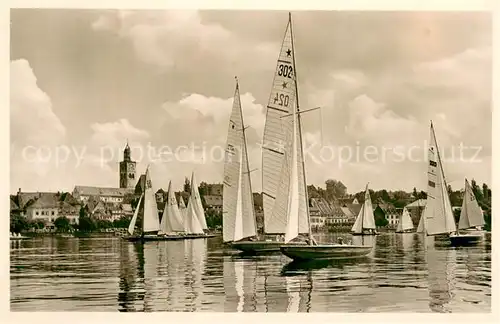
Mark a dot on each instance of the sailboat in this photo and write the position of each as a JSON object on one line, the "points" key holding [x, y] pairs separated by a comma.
{"points": [[171, 222], [405, 224], [437, 218], [290, 210], [197, 205], [365, 222], [150, 220], [471, 216], [238, 215]]}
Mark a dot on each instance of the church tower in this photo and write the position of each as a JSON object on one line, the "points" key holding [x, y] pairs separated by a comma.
{"points": [[127, 170]]}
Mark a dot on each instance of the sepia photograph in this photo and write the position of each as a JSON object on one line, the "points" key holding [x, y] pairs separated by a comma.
{"points": [[224, 160]]}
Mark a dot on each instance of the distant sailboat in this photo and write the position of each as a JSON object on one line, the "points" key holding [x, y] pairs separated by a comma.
{"points": [[182, 208], [437, 218], [290, 210], [197, 205], [238, 214], [191, 222], [171, 221], [471, 216], [405, 224], [150, 220], [365, 222]]}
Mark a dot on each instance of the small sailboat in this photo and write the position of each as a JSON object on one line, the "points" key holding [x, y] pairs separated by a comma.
{"points": [[291, 207], [171, 223], [150, 220], [405, 224], [17, 236], [471, 217], [196, 202], [437, 218], [365, 222], [192, 227], [182, 209], [239, 224]]}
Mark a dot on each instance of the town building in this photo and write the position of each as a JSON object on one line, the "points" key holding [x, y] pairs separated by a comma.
{"points": [[213, 202], [45, 206], [127, 170]]}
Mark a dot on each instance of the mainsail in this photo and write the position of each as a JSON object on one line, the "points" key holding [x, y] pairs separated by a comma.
{"points": [[404, 223], [197, 205], [237, 211], [131, 226], [471, 214], [438, 213], [150, 218], [290, 208], [365, 219], [172, 220], [182, 208], [281, 103]]}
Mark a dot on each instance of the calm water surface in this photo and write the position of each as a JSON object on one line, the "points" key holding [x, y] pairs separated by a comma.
{"points": [[110, 274]]}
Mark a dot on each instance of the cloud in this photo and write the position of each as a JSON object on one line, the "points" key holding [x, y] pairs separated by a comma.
{"points": [[32, 119], [175, 38]]}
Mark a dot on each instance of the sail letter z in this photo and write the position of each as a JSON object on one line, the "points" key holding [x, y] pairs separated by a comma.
{"points": [[432, 184], [433, 163]]}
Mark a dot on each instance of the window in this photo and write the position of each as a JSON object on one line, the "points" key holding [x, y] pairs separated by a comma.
{"points": [[36, 213], [52, 213]]}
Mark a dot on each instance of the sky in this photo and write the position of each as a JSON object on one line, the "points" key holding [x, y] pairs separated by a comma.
{"points": [[84, 82]]}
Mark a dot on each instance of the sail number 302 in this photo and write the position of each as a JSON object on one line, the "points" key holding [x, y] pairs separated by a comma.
{"points": [[285, 70]]}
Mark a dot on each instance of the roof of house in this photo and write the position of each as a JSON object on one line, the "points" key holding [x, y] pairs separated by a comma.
{"points": [[347, 212], [417, 203], [45, 200], [127, 207], [354, 208], [101, 191], [13, 204]]}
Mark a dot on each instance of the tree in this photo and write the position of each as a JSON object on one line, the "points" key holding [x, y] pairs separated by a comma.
{"points": [[476, 190], [62, 224], [379, 215], [334, 189], [18, 223], [123, 222], [456, 215], [415, 193], [187, 185], [486, 192], [86, 224]]}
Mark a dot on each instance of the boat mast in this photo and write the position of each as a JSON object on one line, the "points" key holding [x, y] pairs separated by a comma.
{"points": [[246, 155], [300, 128]]}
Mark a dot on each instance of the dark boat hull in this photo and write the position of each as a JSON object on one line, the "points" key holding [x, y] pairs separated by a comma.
{"points": [[465, 239], [299, 252], [257, 246], [364, 233]]}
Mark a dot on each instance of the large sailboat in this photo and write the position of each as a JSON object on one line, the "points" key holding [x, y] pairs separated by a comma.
{"points": [[471, 217], [405, 224], [239, 224], [437, 218], [365, 222], [285, 187]]}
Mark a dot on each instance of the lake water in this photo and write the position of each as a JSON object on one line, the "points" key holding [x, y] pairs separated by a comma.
{"points": [[110, 274]]}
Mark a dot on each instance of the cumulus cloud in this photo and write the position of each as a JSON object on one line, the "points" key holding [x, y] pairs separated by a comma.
{"points": [[33, 120]]}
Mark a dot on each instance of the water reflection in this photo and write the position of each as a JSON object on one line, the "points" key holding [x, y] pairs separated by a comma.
{"points": [[404, 272]]}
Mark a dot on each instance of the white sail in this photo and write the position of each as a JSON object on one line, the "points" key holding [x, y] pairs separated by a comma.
{"points": [[191, 223], [438, 213], [365, 219], [471, 214], [276, 131], [238, 211], [198, 206], [131, 226], [172, 220], [404, 223], [150, 221], [182, 209]]}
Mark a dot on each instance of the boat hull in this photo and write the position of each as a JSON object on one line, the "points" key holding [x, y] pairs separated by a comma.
{"points": [[365, 233], [299, 252], [257, 246], [465, 239], [166, 237]]}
